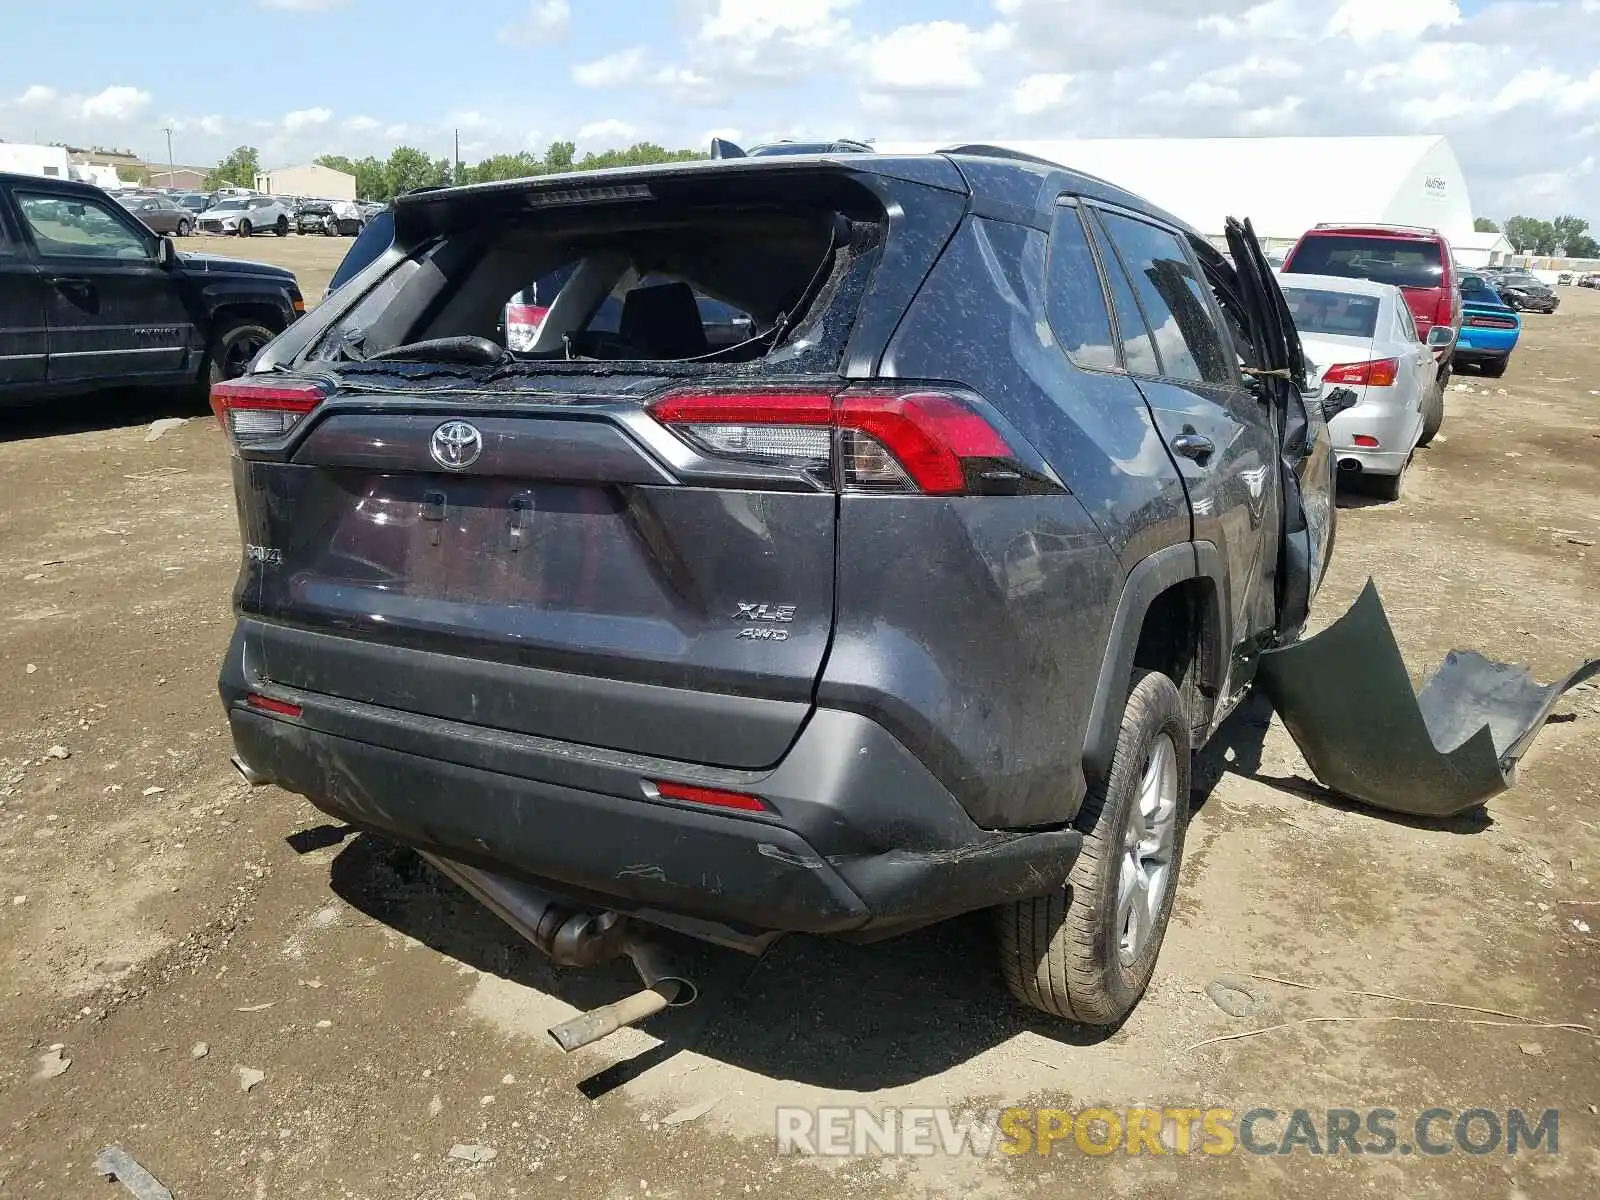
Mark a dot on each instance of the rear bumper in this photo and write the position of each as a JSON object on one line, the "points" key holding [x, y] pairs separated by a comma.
{"points": [[1473, 355], [861, 837]]}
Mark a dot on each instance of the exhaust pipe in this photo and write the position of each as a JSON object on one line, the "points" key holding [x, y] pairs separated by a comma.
{"points": [[246, 772], [572, 937]]}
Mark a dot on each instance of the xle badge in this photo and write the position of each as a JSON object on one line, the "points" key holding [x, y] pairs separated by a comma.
{"points": [[762, 618]]}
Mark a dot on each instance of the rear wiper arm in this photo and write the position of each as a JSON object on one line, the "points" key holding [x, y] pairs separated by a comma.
{"points": [[469, 350]]}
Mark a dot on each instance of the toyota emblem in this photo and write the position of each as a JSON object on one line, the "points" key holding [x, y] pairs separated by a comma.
{"points": [[456, 445]]}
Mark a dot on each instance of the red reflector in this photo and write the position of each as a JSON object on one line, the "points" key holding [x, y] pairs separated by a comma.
{"points": [[1381, 373], [1367, 440], [712, 796], [281, 708]]}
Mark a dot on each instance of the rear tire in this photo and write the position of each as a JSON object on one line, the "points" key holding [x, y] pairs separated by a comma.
{"points": [[1432, 415], [233, 345], [1074, 953], [1494, 367], [183, 229]]}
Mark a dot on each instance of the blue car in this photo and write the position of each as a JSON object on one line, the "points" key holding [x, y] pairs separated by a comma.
{"points": [[1489, 327]]}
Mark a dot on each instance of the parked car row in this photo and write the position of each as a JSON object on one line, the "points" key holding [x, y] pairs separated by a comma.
{"points": [[1521, 289]]}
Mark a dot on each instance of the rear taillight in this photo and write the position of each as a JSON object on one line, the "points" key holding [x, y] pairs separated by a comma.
{"points": [[1379, 373], [254, 411], [860, 440], [1366, 441], [523, 322], [1492, 322], [1444, 310]]}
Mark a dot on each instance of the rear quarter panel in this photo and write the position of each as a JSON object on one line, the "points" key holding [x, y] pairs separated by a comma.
{"points": [[974, 629]]}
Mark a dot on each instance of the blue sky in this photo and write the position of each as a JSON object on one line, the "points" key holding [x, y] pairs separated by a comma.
{"points": [[1514, 83]]}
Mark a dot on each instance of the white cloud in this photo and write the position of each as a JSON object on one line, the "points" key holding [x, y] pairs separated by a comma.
{"points": [[614, 70], [1379, 20], [545, 21], [608, 132], [727, 134], [1037, 93], [306, 118], [802, 22], [396, 133], [360, 124], [115, 104], [936, 56], [37, 96]]}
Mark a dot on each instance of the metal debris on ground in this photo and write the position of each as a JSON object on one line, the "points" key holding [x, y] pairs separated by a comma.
{"points": [[116, 1163], [1346, 698], [472, 1154]]}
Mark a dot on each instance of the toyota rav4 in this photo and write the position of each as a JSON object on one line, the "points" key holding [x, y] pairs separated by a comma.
{"points": [[905, 591]]}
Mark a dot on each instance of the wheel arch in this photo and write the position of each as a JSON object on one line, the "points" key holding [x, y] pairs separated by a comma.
{"points": [[1171, 611]]}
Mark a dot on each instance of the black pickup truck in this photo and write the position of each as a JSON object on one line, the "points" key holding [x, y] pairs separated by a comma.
{"points": [[91, 298]]}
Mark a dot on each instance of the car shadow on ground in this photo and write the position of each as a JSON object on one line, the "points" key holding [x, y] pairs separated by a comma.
{"points": [[811, 1010], [118, 409]]}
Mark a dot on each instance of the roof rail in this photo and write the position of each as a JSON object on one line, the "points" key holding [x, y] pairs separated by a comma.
{"points": [[984, 150], [1377, 225]]}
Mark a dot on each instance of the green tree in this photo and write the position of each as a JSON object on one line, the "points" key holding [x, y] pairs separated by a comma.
{"points": [[1569, 230], [409, 168], [1530, 235], [1583, 246], [504, 166], [559, 157], [372, 179], [336, 162], [1479, 225], [139, 175], [239, 169]]}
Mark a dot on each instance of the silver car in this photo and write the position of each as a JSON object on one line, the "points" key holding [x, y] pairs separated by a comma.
{"points": [[247, 215], [1381, 383]]}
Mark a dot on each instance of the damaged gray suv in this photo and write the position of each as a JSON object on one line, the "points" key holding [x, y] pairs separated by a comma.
{"points": [[903, 585]]}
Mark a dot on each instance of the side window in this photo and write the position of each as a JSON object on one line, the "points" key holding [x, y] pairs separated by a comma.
{"points": [[1074, 300], [1408, 327], [1186, 333], [1138, 347], [70, 227]]}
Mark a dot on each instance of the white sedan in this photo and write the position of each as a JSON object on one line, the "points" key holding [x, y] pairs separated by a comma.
{"points": [[1364, 330]]}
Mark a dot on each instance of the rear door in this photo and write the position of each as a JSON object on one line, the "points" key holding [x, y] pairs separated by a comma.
{"points": [[24, 340], [114, 314], [1218, 433], [1305, 448]]}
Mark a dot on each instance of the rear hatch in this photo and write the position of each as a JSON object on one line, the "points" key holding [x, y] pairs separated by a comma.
{"points": [[1413, 264], [623, 537]]}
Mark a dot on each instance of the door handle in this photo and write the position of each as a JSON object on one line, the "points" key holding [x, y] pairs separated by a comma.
{"points": [[72, 283], [1193, 445]]}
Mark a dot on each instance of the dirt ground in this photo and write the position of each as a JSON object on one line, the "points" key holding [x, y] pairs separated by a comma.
{"points": [[149, 902]]}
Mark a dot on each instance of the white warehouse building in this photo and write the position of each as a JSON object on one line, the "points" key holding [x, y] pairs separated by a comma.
{"points": [[1284, 185]]}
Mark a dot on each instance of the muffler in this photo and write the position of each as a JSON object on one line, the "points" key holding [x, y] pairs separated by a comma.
{"points": [[573, 937]]}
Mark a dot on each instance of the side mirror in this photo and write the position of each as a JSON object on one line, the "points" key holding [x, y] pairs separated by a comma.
{"points": [[1441, 337], [166, 253]]}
